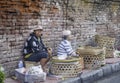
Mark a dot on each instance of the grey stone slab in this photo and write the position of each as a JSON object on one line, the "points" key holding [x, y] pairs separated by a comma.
{"points": [[87, 78], [92, 76], [97, 74], [115, 67], [72, 80], [107, 70]]}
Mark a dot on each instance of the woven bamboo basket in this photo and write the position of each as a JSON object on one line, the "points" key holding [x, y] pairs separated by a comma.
{"points": [[89, 50], [94, 57], [66, 68], [93, 61], [108, 42]]}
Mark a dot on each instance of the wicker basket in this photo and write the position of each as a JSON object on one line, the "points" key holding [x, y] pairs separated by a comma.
{"points": [[89, 50], [66, 68], [94, 59], [108, 42]]}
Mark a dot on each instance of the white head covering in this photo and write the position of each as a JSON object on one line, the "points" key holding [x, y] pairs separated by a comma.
{"points": [[66, 32]]}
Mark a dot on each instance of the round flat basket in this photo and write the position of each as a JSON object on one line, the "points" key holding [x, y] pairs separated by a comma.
{"points": [[66, 68]]}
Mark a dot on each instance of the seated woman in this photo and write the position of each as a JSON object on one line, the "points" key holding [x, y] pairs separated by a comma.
{"points": [[65, 49]]}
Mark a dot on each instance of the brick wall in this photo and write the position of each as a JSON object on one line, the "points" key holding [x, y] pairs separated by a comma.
{"points": [[84, 18], [18, 18]]}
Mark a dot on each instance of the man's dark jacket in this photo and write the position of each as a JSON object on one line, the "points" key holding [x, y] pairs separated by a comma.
{"points": [[33, 45]]}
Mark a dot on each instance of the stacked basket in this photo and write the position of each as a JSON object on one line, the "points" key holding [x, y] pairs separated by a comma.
{"points": [[105, 41], [94, 57]]}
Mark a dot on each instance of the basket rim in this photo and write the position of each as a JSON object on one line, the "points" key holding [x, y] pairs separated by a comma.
{"points": [[73, 59]]}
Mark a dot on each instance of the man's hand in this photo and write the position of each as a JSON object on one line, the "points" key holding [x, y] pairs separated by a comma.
{"points": [[49, 51]]}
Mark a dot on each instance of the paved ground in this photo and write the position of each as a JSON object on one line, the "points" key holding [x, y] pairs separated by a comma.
{"points": [[49, 80], [114, 78], [55, 80]]}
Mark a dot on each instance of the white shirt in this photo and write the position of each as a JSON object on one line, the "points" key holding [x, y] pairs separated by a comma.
{"points": [[65, 49]]}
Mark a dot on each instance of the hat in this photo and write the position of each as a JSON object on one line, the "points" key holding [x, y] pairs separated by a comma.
{"points": [[66, 32], [38, 28]]}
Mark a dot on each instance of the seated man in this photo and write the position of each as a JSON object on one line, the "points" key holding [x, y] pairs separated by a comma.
{"points": [[35, 50], [65, 49]]}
